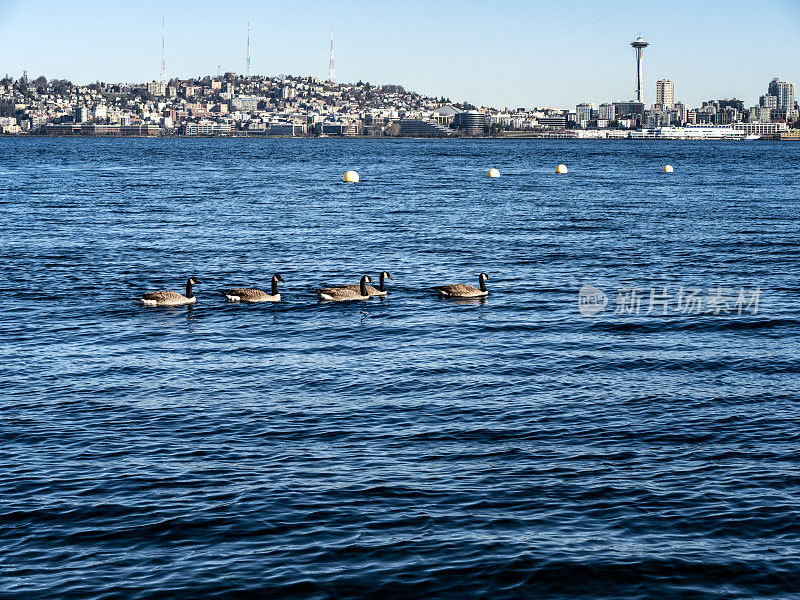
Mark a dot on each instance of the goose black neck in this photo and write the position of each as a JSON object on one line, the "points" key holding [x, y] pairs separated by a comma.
{"points": [[189, 293], [364, 286], [383, 282], [482, 282], [274, 286]]}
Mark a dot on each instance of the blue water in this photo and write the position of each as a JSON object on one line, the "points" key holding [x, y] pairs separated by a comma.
{"points": [[406, 447]]}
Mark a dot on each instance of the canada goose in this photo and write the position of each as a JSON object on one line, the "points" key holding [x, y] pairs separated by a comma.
{"points": [[166, 298], [346, 293], [356, 287], [462, 290], [254, 295]]}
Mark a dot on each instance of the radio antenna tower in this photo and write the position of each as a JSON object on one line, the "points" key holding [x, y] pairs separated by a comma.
{"points": [[247, 64], [163, 55], [332, 63]]}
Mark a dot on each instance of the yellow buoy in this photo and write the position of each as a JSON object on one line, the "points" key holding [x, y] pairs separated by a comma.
{"points": [[350, 177], [493, 173], [561, 169], [667, 169]]}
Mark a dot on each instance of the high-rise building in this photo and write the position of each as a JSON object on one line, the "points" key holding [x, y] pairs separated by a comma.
{"points": [[768, 101], [583, 114], [639, 45], [665, 93], [784, 92], [607, 112], [731, 103], [681, 112]]}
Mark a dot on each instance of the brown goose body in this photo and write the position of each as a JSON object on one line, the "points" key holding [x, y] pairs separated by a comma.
{"points": [[254, 294], [462, 290], [250, 295], [371, 290], [168, 298], [355, 287], [346, 292]]}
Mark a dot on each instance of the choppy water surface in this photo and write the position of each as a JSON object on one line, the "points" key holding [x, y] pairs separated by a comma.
{"points": [[407, 447]]}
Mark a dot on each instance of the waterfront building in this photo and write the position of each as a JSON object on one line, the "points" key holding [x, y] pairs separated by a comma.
{"points": [[658, 118], [606, 112], [554, 122], [765, 130], [688, 133], [583, 114], [81, 114], [444, 115], [290, 129], [424, 128], [470, 122], [347, 129], [665, 93], [207, 128], [631, 110]]}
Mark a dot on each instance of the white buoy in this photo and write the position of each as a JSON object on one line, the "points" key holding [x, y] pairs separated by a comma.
{"points": [[561, 169], [667, 169], [493, 173], [350, 177]]}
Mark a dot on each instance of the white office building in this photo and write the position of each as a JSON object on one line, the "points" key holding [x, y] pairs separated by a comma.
{"points": [[665, 93]]}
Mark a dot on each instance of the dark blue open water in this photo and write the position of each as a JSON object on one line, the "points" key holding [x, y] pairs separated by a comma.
{"points": [[409, 447]]}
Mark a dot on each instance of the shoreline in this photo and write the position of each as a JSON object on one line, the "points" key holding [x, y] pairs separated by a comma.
{"points": [[792, 138]]}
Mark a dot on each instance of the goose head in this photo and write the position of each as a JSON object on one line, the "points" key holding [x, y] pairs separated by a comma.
{"points": [[193, 281], [277, 277], [483, 277], [386, 274]]}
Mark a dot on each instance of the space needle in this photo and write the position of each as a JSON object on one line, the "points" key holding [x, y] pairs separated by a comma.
{"points": [[639, 44]]}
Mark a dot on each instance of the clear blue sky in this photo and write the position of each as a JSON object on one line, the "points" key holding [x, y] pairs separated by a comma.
{"points": [[497, 53]]}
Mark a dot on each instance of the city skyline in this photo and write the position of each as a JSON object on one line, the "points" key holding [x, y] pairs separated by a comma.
{"points": [[489, 69]]}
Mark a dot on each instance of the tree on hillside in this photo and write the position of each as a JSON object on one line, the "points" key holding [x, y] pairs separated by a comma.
{"points": [[60, 86]]}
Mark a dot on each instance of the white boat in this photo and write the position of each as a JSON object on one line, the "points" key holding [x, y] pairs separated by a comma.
{"points": [[753, 136]]}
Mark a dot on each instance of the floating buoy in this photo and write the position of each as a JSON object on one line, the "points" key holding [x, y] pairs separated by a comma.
{"points": [[667, 169], [561, 169], [493, 173], [350, 177]]}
